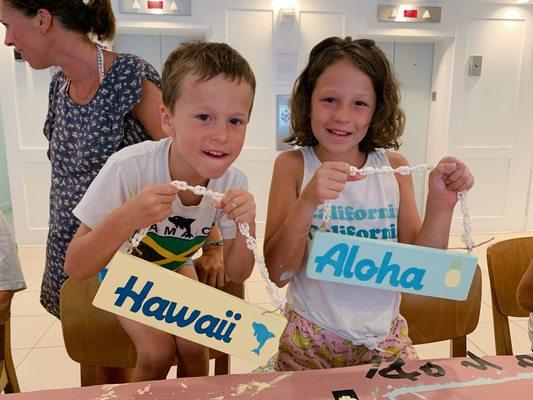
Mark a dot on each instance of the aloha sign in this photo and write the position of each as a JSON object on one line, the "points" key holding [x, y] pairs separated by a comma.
{"points": [[391, 266]]}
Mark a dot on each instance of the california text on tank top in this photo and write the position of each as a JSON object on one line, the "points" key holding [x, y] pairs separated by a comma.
{"points": [[366, 208]]}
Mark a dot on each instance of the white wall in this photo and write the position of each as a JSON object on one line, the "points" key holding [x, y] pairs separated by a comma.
{"points": [[490, 118], [23, 103], [252, 27], [5, 199], [528, 123]]}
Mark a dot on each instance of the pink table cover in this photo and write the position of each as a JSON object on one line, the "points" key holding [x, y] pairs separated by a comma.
{"points": [[500, 377]]}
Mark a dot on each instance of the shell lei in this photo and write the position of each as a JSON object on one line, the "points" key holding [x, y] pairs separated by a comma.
{"points": [[276, 297], [278, 300]]}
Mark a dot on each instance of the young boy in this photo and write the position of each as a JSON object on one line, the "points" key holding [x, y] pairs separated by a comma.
{"points": [[208, 91]]}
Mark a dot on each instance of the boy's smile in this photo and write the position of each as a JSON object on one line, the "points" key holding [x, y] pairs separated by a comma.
{"points": [[207, 126]]}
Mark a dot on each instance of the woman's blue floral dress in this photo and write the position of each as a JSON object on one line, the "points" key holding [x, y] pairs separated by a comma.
{"points": [[81, 138]]}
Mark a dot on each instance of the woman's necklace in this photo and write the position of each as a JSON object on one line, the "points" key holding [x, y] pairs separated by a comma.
{"points": [[101, 73], [84, 97]]}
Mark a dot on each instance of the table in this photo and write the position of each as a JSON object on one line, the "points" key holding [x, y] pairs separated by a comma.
{"points": [[472, 377]]}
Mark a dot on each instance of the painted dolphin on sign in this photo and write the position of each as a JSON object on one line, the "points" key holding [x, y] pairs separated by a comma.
{"points": [[261, 334]]}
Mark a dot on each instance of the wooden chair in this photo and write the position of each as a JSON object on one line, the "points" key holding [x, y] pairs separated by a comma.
{"points": [[507, 262], [431, 319], [8, 378], [95, 339]]}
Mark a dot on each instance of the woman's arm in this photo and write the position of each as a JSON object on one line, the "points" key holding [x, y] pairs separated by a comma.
{"points": [[148, 111]]}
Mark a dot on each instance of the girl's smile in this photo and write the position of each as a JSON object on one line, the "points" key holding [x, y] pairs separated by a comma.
{"points": [[342, 106]]}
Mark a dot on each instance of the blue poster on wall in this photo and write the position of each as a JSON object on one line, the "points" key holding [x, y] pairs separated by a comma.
{"points": [[283, 122]]}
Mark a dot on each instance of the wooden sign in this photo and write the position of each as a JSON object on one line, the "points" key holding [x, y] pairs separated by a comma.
{"points": [[139, 290], [391, 266]]}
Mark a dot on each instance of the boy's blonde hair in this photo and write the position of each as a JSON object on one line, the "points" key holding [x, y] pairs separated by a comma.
{"points": [[388, 120], [205, 60]]}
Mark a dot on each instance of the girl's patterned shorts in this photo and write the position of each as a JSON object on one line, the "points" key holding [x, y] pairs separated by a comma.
{"points": [[305, 345]]}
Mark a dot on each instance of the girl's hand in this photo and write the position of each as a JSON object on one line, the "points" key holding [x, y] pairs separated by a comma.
{"points": [[328, 182], [239, 205], [152, 204], [449, 177]]}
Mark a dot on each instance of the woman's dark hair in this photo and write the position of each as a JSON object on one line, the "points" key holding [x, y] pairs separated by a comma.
{"points": [[388, 120], [95, 17]]}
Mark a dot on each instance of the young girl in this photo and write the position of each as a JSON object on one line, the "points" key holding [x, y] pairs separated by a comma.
{"points": [[345, 106]]}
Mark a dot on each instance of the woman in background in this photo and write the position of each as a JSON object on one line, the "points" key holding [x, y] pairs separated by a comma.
{"points": [[99, 102]]}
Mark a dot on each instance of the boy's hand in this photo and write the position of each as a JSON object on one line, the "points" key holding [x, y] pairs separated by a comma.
{"points": [[239, 205], [328, 182], [449, 177], [210, 268], [152, 204]]}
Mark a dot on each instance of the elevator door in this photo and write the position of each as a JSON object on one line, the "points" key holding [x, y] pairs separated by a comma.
{"points": [[413, 66], [155, 49]]}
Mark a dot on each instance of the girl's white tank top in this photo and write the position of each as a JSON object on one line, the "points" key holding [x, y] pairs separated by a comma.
{"points": [[365, 208]]}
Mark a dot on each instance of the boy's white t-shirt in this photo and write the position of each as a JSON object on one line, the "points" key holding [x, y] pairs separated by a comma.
{"points": [[367, 208], [530, 326], [172, 242]]}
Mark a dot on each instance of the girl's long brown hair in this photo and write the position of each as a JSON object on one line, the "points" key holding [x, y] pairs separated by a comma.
{"points": [[388, 120]]}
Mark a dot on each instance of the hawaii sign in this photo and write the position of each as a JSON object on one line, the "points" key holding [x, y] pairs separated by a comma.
{"points": [[141, 291]]}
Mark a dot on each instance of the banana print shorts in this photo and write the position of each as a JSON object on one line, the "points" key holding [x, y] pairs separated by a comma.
{"points": [[305, 345]]}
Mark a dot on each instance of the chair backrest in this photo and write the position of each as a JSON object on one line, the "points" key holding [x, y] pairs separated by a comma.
{"points": [[432, 319], [507, 262], [94, 336]]}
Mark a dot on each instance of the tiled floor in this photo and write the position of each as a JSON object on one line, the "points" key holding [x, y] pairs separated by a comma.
{"points": [[42, 362]]}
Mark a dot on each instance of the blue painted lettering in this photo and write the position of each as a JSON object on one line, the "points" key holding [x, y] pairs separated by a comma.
{"points": [[350, 262], [227, 335], [365, 269], [157, 313], [179, 318], [127, 292], [208, 330], [386, 267], [163, 309], [339, 251], [343, 260], [416, 281]]}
